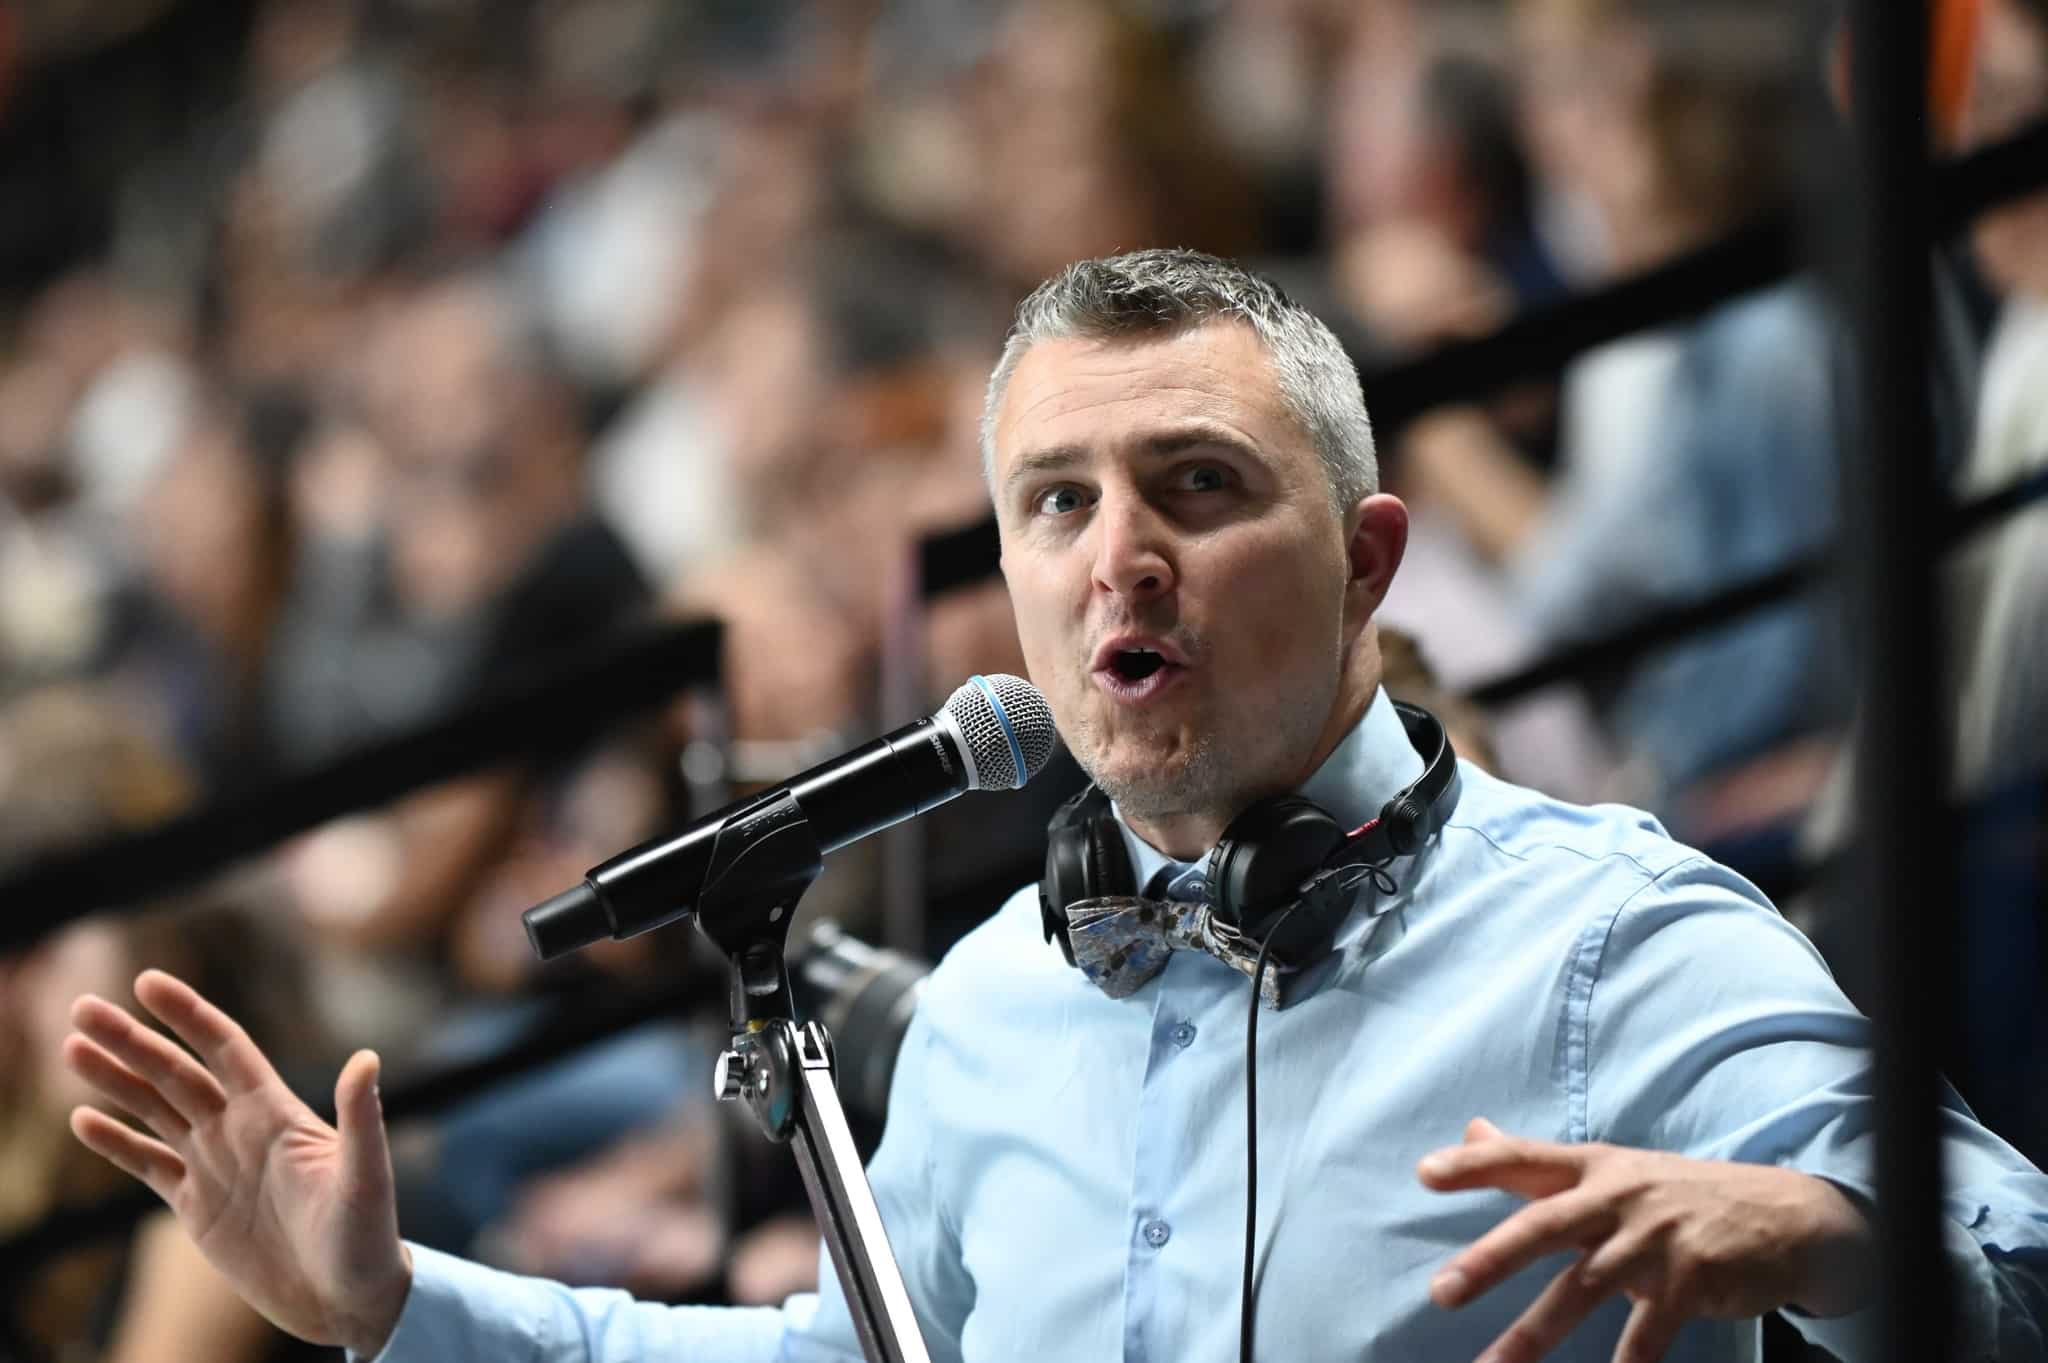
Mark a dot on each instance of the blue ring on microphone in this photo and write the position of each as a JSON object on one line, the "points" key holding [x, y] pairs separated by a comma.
{"points": [[995, 703]]}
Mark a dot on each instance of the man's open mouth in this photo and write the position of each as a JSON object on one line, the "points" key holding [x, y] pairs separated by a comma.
{"points": [[1136, 674], [1136, 664]]}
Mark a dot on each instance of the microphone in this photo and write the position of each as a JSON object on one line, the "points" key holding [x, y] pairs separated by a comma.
{"points": [[995, 733]]}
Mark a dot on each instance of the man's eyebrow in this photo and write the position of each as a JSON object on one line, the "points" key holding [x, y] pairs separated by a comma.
{"points": [[1049, 460], [1193, 437], [1054, 458]]}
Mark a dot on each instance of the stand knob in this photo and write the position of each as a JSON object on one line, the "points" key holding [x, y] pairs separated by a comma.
{"points": [[729, 1079]]}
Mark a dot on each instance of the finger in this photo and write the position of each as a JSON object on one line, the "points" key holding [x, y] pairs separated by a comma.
{"points": [[1649, 1332], [183, 1081], [134, 1154], [216, 1037], [1615, 1261], [1556, 1312], [359, 1115], [119, 1085], [1480, 1129], [1569, 1220], [1527, 1168]]}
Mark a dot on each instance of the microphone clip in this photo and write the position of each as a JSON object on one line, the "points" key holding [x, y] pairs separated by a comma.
{"points": [[762, 861]]}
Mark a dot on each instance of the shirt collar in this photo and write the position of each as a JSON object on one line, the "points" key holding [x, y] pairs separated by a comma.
{"points": [[1372, 764]]}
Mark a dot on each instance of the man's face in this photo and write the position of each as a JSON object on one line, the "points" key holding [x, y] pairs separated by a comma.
{"points": [[1183, 588]]}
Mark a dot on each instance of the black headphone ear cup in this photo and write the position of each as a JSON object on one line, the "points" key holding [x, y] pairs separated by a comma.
{"points": [[1063, 852], [1265, 855], [1084, 859]]}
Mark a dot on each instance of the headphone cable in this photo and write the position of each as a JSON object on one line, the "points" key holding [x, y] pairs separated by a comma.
{"points": [[1376, 872], [1251, 1137]]}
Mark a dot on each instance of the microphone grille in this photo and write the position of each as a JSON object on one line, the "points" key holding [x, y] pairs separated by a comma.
{"points": [[1007, 727]]}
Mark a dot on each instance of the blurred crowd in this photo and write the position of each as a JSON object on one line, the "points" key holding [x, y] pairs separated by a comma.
{"points": [[374, 353]]}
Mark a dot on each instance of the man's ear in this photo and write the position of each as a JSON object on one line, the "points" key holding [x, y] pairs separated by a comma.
{"points": [[1378, 528]]}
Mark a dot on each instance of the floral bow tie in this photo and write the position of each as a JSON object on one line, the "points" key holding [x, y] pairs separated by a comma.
{"points": [[1121, 941]]}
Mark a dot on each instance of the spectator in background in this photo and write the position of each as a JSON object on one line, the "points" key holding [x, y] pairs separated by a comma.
{"points": [[212, 537], [1434, 240], [1999, 603], [1996, 607], [52, 582], [94, 398], [478, 560], [1088, 137], [1690, 457], [1441, 242], [452, 551], [73, 769]]}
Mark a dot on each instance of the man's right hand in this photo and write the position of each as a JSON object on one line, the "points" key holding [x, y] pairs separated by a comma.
{"points": [[299, 1217]]}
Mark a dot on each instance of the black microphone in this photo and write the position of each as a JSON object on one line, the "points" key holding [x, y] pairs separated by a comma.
{"points": [[995, 733]]}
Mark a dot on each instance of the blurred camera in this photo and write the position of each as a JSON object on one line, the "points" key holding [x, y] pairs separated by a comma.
{"points": [[865, 996]]}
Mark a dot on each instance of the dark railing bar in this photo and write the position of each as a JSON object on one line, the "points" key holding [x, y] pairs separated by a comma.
{"points": [[565, 707], [1787, 580], [1903, 849]]}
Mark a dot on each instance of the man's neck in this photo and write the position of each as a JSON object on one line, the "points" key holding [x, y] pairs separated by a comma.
{"points": [[1188, 835]]}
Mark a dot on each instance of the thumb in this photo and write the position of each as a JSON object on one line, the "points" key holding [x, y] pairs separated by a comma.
{"points": [[1479, 1129], [359, 1114]]}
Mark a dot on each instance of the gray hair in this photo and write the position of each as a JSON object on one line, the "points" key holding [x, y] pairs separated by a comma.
{"points": [[1157, 292]]}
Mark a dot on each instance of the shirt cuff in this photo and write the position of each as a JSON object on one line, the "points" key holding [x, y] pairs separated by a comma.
{"points": [[458, 1311], [442, 1318], [1974, 1299]]}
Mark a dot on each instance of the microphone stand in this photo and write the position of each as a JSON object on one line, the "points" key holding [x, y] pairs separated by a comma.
{"points": [[783, 1072]]}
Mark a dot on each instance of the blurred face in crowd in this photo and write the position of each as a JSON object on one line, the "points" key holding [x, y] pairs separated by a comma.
{"points": [[86, 957], [2009, 91], [1186, 596], [1579, 80]]}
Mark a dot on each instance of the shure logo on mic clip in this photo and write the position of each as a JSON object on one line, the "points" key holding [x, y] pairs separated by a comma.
{"points": [[938, 743], [763, 821]]}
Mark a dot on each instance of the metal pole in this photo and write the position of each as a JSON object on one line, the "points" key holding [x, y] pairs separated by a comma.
{"points": [[1894, 502]]}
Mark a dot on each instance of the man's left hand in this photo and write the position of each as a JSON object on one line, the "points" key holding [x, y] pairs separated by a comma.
{"points": [[1681, 1238]]}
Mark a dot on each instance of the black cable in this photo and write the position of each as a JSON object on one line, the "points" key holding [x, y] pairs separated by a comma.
{"points": [[1251, 1137], [1382, 883]]}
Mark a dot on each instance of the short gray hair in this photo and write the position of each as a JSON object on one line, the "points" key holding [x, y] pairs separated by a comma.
{"points": [[1158, 292]]}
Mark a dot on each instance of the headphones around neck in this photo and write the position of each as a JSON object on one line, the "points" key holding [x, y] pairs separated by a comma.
{"points": [[1266, 859]]}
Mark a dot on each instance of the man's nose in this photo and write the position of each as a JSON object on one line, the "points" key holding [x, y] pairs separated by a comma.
{"points": [[1132, 555]]}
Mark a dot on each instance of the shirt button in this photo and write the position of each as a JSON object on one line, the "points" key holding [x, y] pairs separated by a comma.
{"points": [[1157, 1233], [1184, 1034]]}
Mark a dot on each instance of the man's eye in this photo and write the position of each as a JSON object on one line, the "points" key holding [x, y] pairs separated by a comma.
{"points": [[1059, 501], [1204, 478]]}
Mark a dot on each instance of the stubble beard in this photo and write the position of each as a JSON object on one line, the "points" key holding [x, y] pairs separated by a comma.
{"points": [[1196, 782], [1201, 777]]}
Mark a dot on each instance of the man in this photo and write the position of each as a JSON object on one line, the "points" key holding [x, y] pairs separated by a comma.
{"points": [[1193, 539]]}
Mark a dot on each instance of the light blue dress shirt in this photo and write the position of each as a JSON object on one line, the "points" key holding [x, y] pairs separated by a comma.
{"points": [[1062, 1174]]}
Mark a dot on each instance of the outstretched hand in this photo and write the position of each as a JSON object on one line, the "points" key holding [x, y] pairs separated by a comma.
{"points": [[300, 1217], [1682, 1238]]}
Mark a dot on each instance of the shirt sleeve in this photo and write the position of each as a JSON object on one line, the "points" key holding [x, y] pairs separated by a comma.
{"points": [[459, 1311], [1712, 1028]]}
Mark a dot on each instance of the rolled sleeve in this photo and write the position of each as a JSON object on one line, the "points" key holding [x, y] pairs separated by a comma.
{"points": [[1713, 1029]]}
